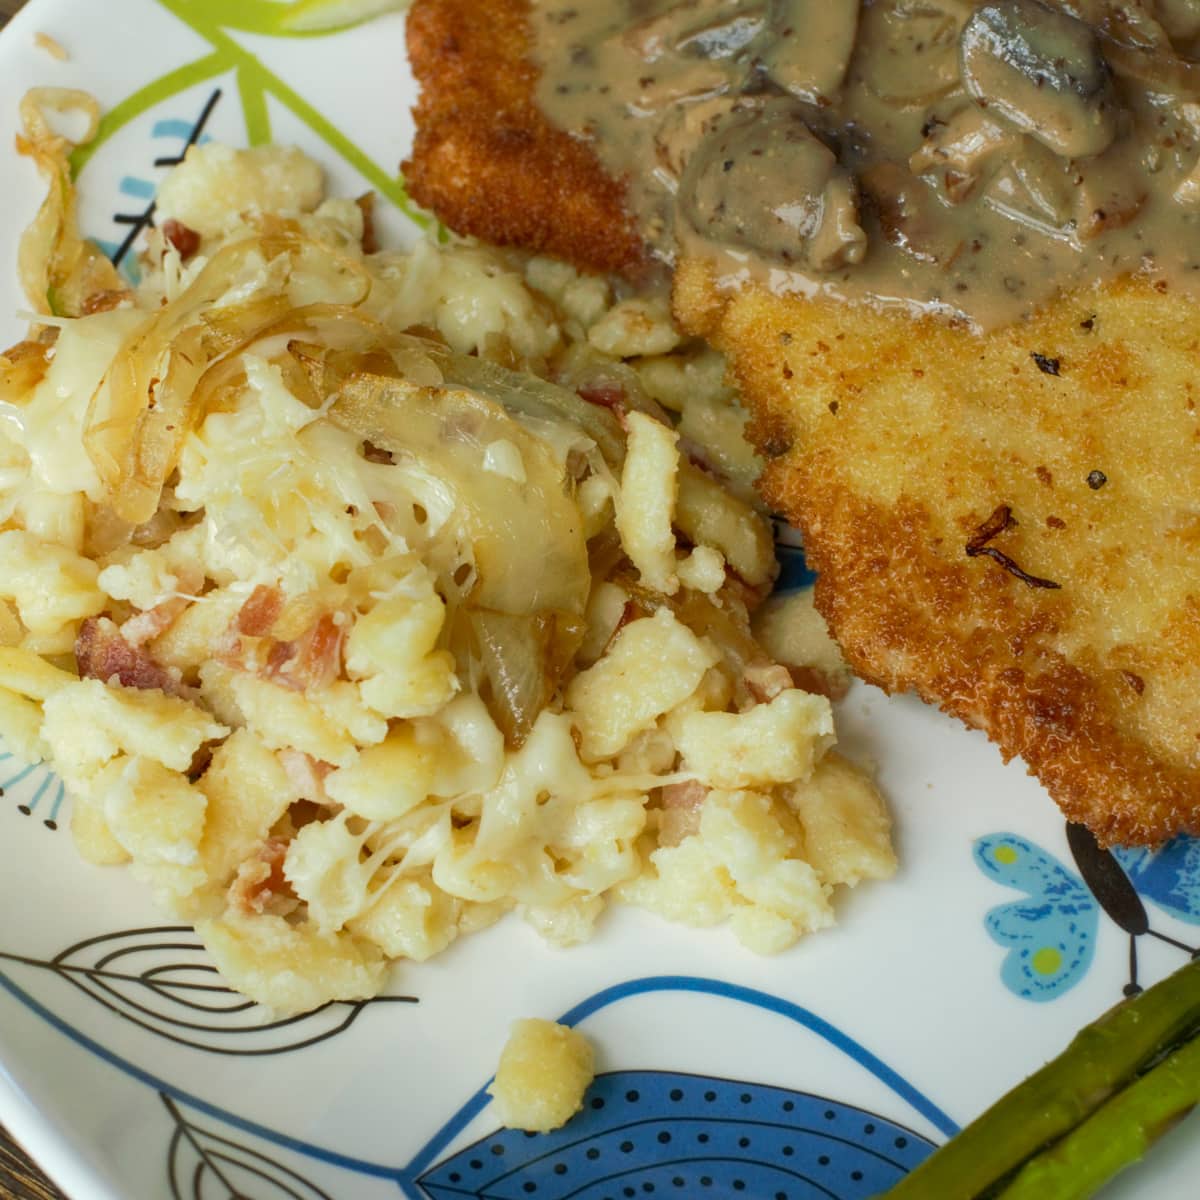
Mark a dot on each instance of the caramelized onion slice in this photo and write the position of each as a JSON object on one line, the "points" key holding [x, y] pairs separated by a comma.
{"points": [[533, 398], [525, 533], [158, 386], [22, 368], [523, 660], [57, 268]]}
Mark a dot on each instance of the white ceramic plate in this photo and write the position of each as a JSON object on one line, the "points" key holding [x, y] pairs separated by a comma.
{"points": [[824, 1072]]}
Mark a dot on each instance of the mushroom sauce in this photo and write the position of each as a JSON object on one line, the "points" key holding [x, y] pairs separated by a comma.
{"points": [[950, 156]]}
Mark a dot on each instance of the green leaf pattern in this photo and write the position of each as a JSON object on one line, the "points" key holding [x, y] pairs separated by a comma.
{"points": [[212, 20]]}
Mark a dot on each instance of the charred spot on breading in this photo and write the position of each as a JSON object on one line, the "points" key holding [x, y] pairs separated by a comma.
{"points": [[1000, 521], [1135, 681]]}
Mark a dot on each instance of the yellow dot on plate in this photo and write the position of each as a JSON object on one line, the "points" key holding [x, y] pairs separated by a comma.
{"points": [[1006, 855], [1047, 960]]}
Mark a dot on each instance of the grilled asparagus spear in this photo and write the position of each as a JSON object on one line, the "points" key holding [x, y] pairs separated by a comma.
{"points": [[1102, 1060]]}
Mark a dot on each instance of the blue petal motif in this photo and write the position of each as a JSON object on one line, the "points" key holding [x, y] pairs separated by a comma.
{"points": [[666, 1133], [1170, 876], [34, 785], [1052, 936]]}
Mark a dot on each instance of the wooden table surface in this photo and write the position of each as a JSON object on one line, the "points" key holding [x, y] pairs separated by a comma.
{"points": [[19, 1178]]}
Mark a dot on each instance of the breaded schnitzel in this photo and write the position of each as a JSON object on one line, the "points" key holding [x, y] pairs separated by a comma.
{"points": [[1001, 522], [1074, 441], [487, 161]]}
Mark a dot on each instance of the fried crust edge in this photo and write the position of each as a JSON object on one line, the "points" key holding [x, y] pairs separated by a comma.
{"points": [[488, 162], [1055, 717]]}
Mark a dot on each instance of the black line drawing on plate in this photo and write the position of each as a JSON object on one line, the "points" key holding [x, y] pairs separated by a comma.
{"points": [[162, 979], [202, 1165], [137, 221]]}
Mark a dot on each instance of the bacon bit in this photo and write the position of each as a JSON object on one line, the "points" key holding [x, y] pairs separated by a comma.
{"points": [[306, 774], [260, 880], [104, 301], [631, 612], [102, 653], [184, 239], [765, 680], [258, 615], [322, 655], [227, 649], [313, 661], [689, 794], [680, 815], [605, 395], [145, 626], [1000, 521], [366, 205], [279, 655], [376, 454], [820, 683]]}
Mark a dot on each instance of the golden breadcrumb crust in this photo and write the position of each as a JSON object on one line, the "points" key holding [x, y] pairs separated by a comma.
{"points": [[487, 161], [1066, 448]]}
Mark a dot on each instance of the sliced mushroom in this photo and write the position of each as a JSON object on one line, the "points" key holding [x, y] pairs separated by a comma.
{"points": [[1034, 188], [962, 149], [908, 49], [839, 240], [807, 46], [725, 35], [1107, 197], [683, 53], [761, 181], [1180, 18], [1187, 191], [687, 82], [692, 29], [1042, 70], [908, 213], [682, 129]]}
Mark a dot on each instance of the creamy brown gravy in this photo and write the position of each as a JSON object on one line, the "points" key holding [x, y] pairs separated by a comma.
{"points": [[948, 155]]}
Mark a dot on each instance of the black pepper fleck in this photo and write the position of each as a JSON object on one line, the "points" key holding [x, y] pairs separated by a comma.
{"points": [[1096, 480], [1047, 366]]}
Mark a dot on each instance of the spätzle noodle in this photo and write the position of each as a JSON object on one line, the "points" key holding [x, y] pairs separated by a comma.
{"points": [[360, 599]]}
